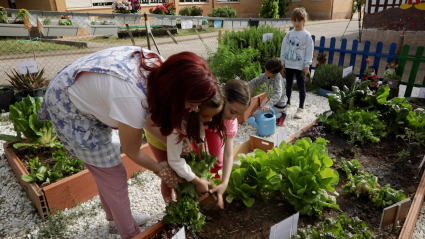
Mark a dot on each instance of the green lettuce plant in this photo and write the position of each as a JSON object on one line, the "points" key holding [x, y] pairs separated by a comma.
{"points": [[306, 174], [350, 167], [362, 184]]}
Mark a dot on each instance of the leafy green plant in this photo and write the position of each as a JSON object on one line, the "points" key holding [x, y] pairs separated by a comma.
{"points": [[306, 174], [253, 37], [28, 81], [22, 14], [350, 167], [185, 211], [191, 11], [230, 62], [185, 11], [387, 196], [47, 21], [362, 184], [269, 9], [341, 228], [3, 16], [330, 75], [225, 11], [284, 7], [67, 22], [23, 115], [238, 188]]}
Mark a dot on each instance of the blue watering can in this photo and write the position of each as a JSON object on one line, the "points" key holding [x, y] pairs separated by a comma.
{"points": [[265, 123]]}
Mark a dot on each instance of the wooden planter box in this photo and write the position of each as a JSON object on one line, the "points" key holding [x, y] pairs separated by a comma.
{"points": [[106, 30], [59, 30], [256, 102], [253, 143], [13, 30], [67, 192]]}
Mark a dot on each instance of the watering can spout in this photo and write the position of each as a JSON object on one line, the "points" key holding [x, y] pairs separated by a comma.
{"points": [[251, 120]]}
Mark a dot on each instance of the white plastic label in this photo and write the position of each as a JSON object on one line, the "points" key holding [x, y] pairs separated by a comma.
{"points": [[267, 36], [347, 71], [421, 92], [180, 235], [25, 66]]}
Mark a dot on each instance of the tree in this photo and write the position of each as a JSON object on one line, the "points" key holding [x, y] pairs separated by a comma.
{"points": [[284, 7], [270, 9]]}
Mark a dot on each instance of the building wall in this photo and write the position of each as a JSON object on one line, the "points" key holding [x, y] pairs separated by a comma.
{"points": [[43, 5], [4, 3], [244, 8], [318, 10], [342, 9]]}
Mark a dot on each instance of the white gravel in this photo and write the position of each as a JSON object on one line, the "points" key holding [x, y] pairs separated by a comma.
{"points": [[18, 219]]}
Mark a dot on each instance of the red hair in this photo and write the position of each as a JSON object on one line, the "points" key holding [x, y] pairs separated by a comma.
{"points": [[183, 77]]}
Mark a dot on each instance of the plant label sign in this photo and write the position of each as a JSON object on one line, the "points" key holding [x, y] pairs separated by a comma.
{"points": [[186, 24], [267, 36], [286, 228], [148, 27], [25, 66], [180, 235], [280, 136], [347, 71], [421, 92]]}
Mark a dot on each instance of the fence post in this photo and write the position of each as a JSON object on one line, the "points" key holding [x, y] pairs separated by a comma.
{"points": [[147, 34], [219, 36]]}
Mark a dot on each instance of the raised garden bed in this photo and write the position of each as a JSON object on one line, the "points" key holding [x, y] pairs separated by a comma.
{"points": [[381, 160], [67, 192], [256, 102]]}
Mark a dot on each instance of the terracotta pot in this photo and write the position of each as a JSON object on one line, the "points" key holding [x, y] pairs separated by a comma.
{"points": [[256, 102], [67, 192]]}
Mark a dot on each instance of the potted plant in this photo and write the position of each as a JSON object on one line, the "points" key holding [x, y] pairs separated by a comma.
{"points": [[58, 27], [321, 59], [102, 26], [330, 75], [127, 7], [6, 98], [14, 27], [31, 84]]}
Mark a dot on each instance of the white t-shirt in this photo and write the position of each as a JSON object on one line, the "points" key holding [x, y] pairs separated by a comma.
{"points": [[109, 99]]}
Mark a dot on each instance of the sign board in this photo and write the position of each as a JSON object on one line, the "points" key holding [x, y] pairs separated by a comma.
{"points": [[180, 235], [25, 66], [347, 71], [148, 27], [227, 24], [421, 92], [281, 136], [267, 36], [395, 212], [286, 228]]}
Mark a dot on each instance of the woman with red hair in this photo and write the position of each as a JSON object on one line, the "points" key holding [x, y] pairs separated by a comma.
{"points": [[118, 88]]}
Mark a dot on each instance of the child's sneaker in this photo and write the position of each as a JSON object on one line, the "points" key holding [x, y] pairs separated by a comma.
{"points": [[299, 114], [280, 120], [138, 217]]}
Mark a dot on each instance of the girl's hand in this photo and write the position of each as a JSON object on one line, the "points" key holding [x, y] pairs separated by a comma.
{"points": [[265, 109], [202, 186], [220, 189], [305, 71]]}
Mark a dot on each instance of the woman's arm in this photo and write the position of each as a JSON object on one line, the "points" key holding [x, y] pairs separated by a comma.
{"points": [[131, 141]]}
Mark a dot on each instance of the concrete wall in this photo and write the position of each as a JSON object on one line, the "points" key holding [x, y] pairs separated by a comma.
{"points": [[244, 8]]}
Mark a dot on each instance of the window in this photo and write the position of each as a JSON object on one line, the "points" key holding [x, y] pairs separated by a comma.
{"points": [[193, 1], [152, 1], [227, 0]]}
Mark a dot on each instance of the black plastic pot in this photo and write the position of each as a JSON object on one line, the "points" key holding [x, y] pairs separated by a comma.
{"points": [[34, 93], [6, 98], [254, 23]]}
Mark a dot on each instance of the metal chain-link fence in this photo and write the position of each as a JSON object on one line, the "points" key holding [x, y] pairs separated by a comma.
{"points": [[55, 52]]}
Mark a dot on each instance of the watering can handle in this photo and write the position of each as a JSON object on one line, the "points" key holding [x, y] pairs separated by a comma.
{"points": [[272, 110]]}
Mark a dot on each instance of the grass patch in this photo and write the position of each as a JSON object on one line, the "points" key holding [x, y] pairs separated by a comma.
{"points": [[114, 38], [9, 47]]}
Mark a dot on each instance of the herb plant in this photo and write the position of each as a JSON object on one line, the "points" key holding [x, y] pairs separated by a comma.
{"points": [[387, 196], [362, 184], [67, 22], [47, 21], [350, 167]]}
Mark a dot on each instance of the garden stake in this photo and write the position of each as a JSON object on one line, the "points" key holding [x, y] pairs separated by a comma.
{"points": [[198, 34], [171, 35], [130, 34]]}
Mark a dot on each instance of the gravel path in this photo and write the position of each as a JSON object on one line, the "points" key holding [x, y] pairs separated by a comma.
{"points": [[19, 219]]}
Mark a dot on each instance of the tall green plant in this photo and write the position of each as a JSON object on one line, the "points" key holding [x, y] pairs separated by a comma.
{"points": [[223, 12], [230, 62], [284, 7], [253, 37], [330, 75], [270, 9]]}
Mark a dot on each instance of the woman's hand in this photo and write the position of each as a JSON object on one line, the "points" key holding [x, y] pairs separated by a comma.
{"points": [[202, 186], [220, 189]]}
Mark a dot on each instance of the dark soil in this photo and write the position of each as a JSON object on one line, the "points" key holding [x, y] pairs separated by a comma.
{"points": [[418, 101], [239, 222]]}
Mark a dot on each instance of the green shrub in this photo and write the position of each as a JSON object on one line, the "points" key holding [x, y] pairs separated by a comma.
{"points": [[191, 11], [223, 12], [231, 62], [269, 9], [185, 11], [253, 37], [330, 75]]}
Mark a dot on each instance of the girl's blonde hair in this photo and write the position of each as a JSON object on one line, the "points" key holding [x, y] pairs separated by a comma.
{"points": [[299, 14]]}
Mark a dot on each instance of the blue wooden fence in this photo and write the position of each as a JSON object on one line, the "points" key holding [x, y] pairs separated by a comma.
{"points": [[355, 52]]}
